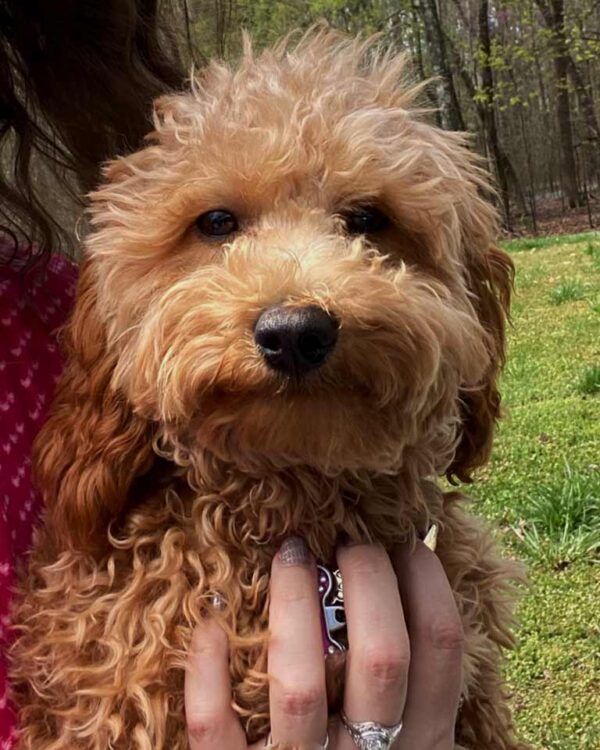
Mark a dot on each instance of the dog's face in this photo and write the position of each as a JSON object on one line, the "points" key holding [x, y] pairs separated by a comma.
{"points": [[298, 269]]}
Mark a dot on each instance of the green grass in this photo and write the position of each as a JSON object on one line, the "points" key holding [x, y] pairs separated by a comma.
{"points": [[593, 250], [536, 243], [542, 489], [589, 382], [568, 290], [560, 524]]}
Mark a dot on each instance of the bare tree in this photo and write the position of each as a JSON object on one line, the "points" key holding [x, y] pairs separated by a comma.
{"points": [[553, 12], [488, 114], [587, 106], [447, 99], [483, 102]]}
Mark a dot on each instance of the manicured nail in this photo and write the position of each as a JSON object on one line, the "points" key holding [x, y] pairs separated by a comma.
{"points": [[294, 551]]}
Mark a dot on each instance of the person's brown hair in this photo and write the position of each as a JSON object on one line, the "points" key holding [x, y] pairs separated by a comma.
{"points": [[77, 78]]}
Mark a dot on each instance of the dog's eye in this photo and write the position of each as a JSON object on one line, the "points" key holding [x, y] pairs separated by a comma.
{"points": [[218, 223], [365, 220]]}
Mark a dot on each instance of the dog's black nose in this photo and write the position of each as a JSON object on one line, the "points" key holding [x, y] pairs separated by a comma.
{"points": [[294, 340]]}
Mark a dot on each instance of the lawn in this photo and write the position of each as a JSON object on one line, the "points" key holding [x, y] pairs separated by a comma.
{"points": [[542, 488]]}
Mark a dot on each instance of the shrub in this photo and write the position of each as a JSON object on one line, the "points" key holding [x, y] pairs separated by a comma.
{"points": [[569, 290], [589, 382], [593, 250], [561, 523]]}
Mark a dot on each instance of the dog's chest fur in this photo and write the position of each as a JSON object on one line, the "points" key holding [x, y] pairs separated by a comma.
{"points": [[111, 632], [105, 639]]}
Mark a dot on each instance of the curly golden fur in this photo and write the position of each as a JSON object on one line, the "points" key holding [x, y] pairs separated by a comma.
{"points": [[174, 461]]}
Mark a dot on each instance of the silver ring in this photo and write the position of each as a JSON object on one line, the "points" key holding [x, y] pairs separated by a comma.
{"points": [[270, 744], [370, 735]]}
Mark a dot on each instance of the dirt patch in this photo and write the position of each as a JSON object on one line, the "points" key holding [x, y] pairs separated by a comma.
{"points": [[553, 217]]}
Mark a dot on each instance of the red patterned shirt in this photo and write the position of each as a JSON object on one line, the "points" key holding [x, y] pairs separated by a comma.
{"points": [[31, 312]]}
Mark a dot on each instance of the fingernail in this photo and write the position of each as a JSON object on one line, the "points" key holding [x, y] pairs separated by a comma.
{"points": [[294, 551]]}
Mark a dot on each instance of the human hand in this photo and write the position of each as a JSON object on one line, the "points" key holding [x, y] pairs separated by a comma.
{"points": [[398, 667]]}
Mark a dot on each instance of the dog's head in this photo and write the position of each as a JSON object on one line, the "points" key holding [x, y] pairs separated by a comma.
{"points": [[298, 269]]}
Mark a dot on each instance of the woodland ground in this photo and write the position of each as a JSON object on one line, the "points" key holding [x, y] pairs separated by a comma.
{"points": [[553, 217], [542, 488]]}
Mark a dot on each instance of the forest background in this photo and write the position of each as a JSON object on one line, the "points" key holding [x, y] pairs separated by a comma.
{"points": [[522, 75]]}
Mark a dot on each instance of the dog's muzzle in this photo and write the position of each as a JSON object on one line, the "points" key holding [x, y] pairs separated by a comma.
{"points": [[295, 340]]}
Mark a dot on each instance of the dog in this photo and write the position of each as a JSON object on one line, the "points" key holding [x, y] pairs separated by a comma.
{"points": [[290, 320]]}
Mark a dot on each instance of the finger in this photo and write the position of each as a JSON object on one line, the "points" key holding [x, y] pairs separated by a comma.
{"points": [[436, 639], [379, 653], [298, 700], [211, 721]]}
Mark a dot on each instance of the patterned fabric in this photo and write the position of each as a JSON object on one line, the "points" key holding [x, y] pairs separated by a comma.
{"points": [[30, 364]]}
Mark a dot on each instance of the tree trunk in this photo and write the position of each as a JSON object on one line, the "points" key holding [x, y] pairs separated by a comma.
{"points": [[591, 121], [499, 155], [553, 12], [450, 113], [418, 56], [488, 112], [532, 202], [418, 46], [546, 118]]}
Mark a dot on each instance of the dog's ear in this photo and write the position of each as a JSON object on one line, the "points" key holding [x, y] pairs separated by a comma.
{"points": [[490, 276], [92, 446]]}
